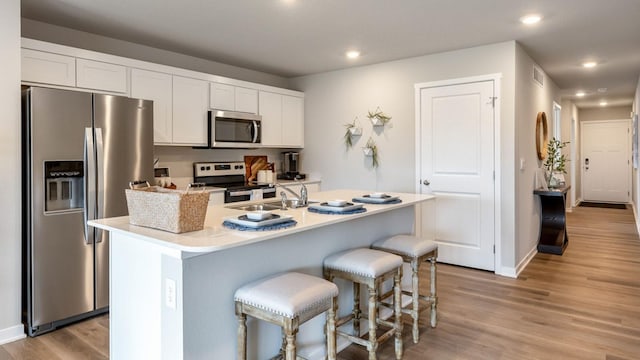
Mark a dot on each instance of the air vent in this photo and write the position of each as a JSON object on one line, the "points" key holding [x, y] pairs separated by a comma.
{"points": [[538, 76]]}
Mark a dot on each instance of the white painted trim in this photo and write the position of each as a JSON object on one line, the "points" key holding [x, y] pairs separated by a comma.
{"points": [[514, 273], [497, 186], [459, 81], [635, 216], [557, 121], [574, 161], [11, 334]]}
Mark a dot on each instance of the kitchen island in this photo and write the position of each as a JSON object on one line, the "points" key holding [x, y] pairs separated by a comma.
{"points": [[171, 295]]}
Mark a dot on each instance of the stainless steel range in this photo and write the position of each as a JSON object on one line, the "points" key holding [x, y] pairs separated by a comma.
{"points": [[231, 175]]}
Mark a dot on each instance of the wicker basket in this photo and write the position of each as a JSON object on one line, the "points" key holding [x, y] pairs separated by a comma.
{"points": [[175, 211]]}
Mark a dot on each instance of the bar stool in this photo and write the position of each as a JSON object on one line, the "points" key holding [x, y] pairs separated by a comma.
{"points": [[288, 300], [371, 268], [414, 251]]}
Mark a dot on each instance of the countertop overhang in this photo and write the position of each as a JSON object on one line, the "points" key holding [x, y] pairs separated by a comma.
{"points": [[216, 237]]}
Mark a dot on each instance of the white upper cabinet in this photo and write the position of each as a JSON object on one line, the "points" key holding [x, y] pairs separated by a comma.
{"points": [[282, 120], [156, 86], [99, 75], [190, 106], [222, 97], [246, 100], [292, 121], [270, 105], [233, 98], [181, 98], [48, 68]]}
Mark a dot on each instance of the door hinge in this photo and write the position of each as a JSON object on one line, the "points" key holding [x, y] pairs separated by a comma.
{"points": [[494, 175], [494, 248]]}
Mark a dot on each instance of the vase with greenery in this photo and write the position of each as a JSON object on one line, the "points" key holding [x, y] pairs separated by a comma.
{"points": [[555, 161], [378, 118], [370, 149], [353, 129]]}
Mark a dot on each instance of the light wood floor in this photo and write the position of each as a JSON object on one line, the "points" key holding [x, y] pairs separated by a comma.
{"points": [[582, 305]]}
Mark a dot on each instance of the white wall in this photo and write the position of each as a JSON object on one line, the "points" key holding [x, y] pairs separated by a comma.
{"points": [[605, 113], [335, 98], [60, 35], [531, 98], [10, 245]]}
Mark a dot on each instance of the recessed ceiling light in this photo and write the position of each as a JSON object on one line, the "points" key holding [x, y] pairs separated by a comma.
{"points": [[602, 90], [353, 54], [530, 19], [589, 64], [580, 94], [603, 103]]}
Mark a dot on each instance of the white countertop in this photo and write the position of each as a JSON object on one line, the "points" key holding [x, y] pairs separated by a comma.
{"points": [[215, 237]]}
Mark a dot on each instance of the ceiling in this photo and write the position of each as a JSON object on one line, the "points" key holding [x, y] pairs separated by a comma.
{"points": [[299, 37]]}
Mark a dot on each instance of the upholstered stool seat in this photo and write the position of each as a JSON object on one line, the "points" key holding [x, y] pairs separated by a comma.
{"points": [[370, 268], [415, 251], [288, 300]]}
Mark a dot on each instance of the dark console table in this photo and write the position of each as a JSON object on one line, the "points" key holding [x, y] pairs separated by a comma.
{"points": [[553, 227]]}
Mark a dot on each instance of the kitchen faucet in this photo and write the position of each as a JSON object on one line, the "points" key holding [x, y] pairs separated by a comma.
{"points": [[303, 197]]}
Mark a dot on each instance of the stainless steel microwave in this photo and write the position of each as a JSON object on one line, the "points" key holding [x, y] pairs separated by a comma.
{"points": [[231, 129]]}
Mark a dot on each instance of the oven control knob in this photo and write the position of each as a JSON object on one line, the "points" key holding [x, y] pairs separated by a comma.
{"points": [[201, 168], [208, 167]]}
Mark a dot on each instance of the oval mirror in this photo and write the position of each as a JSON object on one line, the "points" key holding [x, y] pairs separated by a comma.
{"points": [[542, 135]]}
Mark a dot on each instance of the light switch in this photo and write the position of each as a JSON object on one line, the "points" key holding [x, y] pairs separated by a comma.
{"points": [[522, 163]]}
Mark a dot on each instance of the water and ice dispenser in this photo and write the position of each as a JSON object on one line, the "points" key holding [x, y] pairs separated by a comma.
{"points": [[64, 188]]}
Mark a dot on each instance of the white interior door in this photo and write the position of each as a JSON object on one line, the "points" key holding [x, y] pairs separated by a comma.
{"points": [[606, 161], [457, 165]]}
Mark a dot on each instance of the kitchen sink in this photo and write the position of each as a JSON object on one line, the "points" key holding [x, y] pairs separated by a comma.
{"points": [[256, 207], [269, 205], [291, 203]]}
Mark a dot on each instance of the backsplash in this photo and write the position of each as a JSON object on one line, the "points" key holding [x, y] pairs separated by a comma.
{"points": [[180, 160]]}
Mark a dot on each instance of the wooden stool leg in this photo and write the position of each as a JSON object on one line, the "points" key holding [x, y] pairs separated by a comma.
{"points": [[290, 330], [356, 309], [242, 333], [433, 295], [373, 316], [397, 307], [415, 296], [331, 330]]}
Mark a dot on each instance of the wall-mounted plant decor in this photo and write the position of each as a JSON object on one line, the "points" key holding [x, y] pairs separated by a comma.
{"points": [[378, 118], [370, 149], [353, 129]]}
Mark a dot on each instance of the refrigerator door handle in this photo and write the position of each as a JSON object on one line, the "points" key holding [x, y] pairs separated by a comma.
{"points": [[89, 185], [100, 178]]}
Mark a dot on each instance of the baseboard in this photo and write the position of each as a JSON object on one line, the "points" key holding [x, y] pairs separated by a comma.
{"points": [[515, 272], [11, 334]]}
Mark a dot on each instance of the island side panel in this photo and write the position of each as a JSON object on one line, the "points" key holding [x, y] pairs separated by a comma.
{"points": [[134, 298], [210, 281]]}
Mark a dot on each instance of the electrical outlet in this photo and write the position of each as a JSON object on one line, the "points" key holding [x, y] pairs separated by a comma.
{"points": [[170, 293]]}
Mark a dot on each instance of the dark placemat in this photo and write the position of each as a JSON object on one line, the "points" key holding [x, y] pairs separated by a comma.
{"points": [[365, 201], [319, 211], [278, 226]]}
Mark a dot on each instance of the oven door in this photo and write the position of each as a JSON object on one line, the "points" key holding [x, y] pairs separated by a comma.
{"points": [[236, 195]]}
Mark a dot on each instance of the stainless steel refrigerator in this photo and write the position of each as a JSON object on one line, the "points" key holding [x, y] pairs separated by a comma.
{"points": [[80, 150]]}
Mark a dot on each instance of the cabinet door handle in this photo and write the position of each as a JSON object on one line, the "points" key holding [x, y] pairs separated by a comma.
{"points": [[426, 182]]}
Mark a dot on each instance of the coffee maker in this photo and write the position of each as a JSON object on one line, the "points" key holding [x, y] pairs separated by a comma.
{"points": [[291, 166]]}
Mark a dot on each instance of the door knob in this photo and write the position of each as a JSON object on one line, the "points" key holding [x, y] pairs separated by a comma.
{"points": [[426, 182]]}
